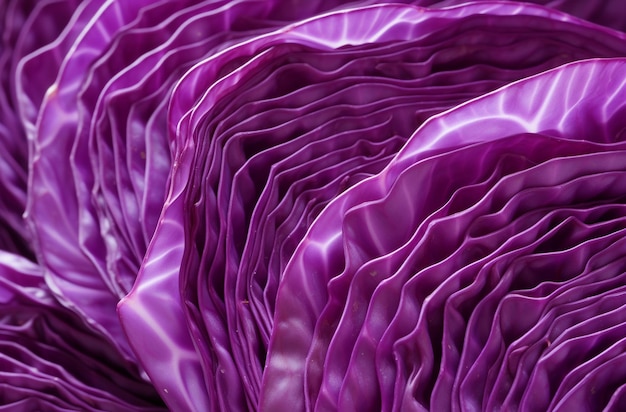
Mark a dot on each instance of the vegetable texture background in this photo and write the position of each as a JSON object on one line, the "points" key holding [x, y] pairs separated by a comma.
{"points": [[278, 205]]}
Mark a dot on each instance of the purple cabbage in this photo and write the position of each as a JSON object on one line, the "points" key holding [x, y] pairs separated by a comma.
{"points": [[50, 359], [333, 205], [453, 306], [240, 230]]}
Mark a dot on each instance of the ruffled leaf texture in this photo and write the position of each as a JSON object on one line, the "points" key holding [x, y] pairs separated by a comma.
{"points": [[244, 275], [51, 360], [182, 150], [55, 57], [25, 26], [482, 269], [96, 123]]}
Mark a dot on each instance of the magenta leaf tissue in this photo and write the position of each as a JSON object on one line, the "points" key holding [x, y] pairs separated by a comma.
{"points": [[339, 205]]}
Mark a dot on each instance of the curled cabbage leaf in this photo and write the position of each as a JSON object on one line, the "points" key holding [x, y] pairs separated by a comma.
{"points": [[25, 26], [267, 132], [100, 154], [480, 269], [231, 176], [50, 359]]}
